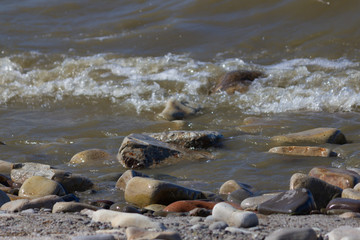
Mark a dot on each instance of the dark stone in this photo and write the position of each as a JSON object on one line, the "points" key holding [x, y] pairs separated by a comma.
{"points": [[6, 181], [105, 204], [72, 182], [239, 195], [295, 202], [200, 212], [131, 209], [344, 204]]}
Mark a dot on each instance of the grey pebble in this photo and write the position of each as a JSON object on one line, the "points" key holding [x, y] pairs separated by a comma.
{"points": [[209, 219], [218, 225], [95, 237], [195, 220], [198, 226], [28, 211]]}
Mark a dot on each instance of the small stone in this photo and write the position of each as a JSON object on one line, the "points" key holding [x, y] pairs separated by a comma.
{"points": [[303, 151], [42, 202], [94, 237], [239, 195], [134, 233], [218, 225], [5, 167], [200, 212], [251, 203], [295, 202], [344, 204], [38, 186], [293, 233], [210, 219], [91, 156], [126, 176], [188, 205], [155, 207], [175, 110], [232, 185], [344, 232], [339, 177], [71, 207], [350, 215], [106, 204], [322, 191], [350, 193], [234, 217], [3, 198], [145, 191]]}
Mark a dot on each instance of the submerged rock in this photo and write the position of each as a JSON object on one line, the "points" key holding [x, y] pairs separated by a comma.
{"points": [[303, 151], [238, 80], [176, 110], [91, 156]]}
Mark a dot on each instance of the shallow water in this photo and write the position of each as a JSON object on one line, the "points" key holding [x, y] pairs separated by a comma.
{"points": [[76, 76]]}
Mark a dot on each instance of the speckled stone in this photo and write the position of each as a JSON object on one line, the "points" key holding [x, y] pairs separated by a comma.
{"points": [[339, 177], [350, 193], [303, 151], [344, 233], [176, 110]]}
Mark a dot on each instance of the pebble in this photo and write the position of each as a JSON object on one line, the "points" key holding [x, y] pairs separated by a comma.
{"points": [[293, 234], [350, 215], [344, 204], [234, 217], [339, 177], [155, 207], [232, 185], [126, 176], [350, 193], [5, 167], [71, 207], [252, 203], [134, 233], [219, 225], [344, 233], [91, 156], [303, 151], [176, 110], [95, 237], [38, 186], [188, 205]]}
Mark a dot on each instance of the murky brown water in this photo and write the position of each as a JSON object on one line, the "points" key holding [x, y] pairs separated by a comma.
{"points": [[76, 76]]}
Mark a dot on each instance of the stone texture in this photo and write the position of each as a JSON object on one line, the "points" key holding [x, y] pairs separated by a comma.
{"points": [[126, 176], [350, 193], [72, 182], [316, 135], [252, 203], [121, 219], [239, 195], [344, 233], [91, 156], [190, 139], [295, 202], [188, 205], [134, 233], [3, 198], [72, 207], [303, 151], [344, 204], [234, 217], [339, 177], [38, 186], [5, 167], [141, 151], [145, 191], [293, 234], [176, 110], [322, 191], [232, 185]]}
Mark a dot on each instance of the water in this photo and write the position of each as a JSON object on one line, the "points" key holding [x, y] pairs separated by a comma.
{"points": [[76, 76]]}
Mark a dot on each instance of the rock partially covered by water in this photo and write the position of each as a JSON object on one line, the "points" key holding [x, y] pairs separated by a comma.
{"points": [[141, 151], [176, 110], [145, 191], [125, 178], [190, 139], [37, 186], [316, 135], [339, 177], [238, 80], [91, 156], [303, 151]]}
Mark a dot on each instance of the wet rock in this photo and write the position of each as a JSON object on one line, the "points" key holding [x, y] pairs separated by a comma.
{"points": [[5, 167], [234, 217], [351, 205], [121, 219], [126, 176], [238, 80], [350, 193], [37, 186], [145, 191], [343, 233], [72, 182], [140, 151], [134, 233], [106, 204], [5, 180], [322, 191], [190, 139], [91, 156], [71, 207], [303, 151], [350, 215], [339, 177], [293, 233], [200, 212], [176, 110], [252, 203], [3, 198], [232, 185], [295, 202], [239, 195], [316, 135], [188, 205]]}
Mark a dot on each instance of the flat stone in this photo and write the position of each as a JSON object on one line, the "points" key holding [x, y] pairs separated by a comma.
{"points": [[234, 217], [121, 219], [5, 167], [134, 233], [293, 234], [232, 185], [190, 139], [239, 195], [344, 233], [252, 203], [188, 205], [72, 207], [3, 198], [126, 176], [295, 202], [344, 204], [145, 191], [141, 151], [38, 186], [322, 191], [91, 156], [303, 151], [339, 177], [316, 135], [350, 193]]}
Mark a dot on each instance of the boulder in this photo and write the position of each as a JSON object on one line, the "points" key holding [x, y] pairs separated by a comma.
{"points": [[125, 178], [188, 205], [232, 185], [145, 191], [295, 202], [252, 203], [293, 233], [176, 110], [303, 151], [322, 191], [134, 233], [316, 135], [350, 205], [238, 80], [5, 167], [190, 139], [339, 177], [37, 186], [141, 151], [72, 207], [91, 156]]}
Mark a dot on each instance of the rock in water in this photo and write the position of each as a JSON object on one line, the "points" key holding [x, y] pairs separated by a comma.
{"points": [[303, 151], [176, 110], [125, 178], [236, 81], [37, 186], [91, 156]]}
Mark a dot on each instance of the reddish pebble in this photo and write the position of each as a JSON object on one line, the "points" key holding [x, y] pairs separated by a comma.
{"points": [[188, 205]]}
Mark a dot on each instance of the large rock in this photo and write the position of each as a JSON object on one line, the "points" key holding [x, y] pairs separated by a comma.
{"points": [[303, 151], [190, 139], [72, 182], [37, 186], [175, 110], [232, 185], [125, 178], [145, 191], [295, 202], [5, 167], [322, 191], [140, 151], [252, 203], [239, 195], [339, 177], [316, 135], [238, 80], [293, 234], [91, 156]]}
